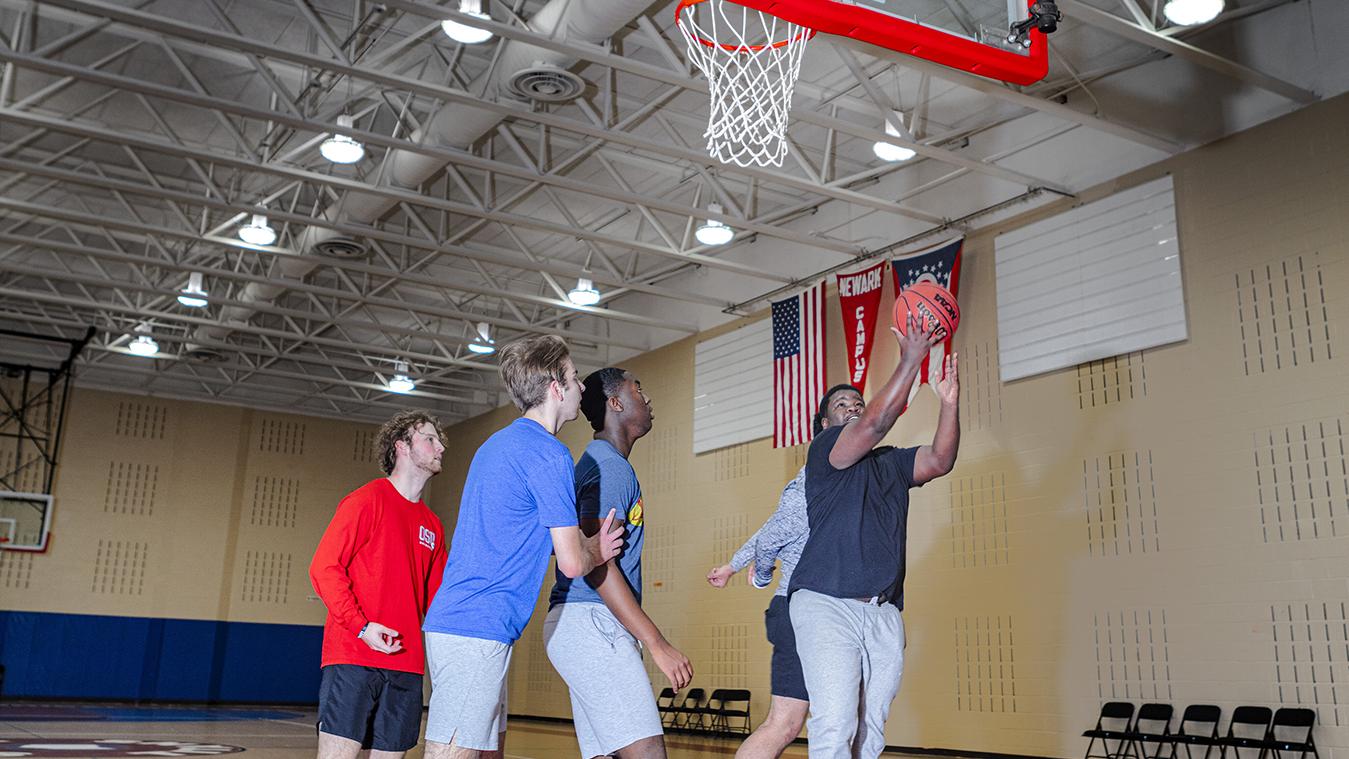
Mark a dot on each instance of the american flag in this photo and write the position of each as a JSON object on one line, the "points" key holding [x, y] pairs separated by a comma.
{"points": [[942, 266], [798, 365]]}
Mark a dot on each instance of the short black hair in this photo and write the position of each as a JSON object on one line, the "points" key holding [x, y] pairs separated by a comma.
{"points": [[600, 386], [824, 403]]}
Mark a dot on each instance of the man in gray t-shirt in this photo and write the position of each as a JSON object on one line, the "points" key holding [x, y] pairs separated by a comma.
{"points": [[779, 540]]}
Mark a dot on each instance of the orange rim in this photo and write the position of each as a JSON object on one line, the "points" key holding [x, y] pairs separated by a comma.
{"points": [[679, 16]]}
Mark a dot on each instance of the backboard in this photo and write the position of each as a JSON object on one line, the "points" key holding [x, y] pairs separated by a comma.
{"points": [[25, 521], [970, 35]]}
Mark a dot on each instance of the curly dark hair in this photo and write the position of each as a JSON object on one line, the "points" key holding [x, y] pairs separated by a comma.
{"points": [[398, 428]]}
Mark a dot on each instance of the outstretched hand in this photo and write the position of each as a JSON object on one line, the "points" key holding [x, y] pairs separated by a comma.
{"points": [[719, 576], [948, 389], [914, 345]]}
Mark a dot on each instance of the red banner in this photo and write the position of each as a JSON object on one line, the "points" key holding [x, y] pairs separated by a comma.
{"points": [[859, 294]]}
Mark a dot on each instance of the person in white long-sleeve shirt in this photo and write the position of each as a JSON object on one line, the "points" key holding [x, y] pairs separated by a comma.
{"points": [[779, 541]]}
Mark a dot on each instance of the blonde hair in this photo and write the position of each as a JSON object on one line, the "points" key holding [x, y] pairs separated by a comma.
{"points": [[528, 366]]}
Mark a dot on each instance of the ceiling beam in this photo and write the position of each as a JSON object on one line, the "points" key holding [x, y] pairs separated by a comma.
{"points": [[450, 155], [116, 185], [1001, 91], [1080, 11], [506, 109]]}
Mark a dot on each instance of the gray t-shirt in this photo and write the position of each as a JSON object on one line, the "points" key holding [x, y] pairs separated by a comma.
{"points": [[780, 539]]}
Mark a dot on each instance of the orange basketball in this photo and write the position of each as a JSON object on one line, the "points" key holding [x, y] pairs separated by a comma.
{"points": [[930, 304]]}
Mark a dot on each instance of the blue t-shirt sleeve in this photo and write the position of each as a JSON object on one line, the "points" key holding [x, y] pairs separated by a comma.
{"points": [[553, 486], [617, 490], [587, 487]]}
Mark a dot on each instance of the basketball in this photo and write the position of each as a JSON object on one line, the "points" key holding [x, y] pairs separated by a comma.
{"points": [[930, 303]]}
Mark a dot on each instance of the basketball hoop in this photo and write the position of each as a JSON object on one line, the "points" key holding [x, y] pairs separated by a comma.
{"points": [[751, 60]]}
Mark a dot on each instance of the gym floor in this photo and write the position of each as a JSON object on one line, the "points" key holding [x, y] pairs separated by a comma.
{"points": [[73, 730]]}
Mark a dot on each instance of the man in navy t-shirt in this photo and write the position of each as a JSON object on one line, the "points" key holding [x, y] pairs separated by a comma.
{"points": [[848, 587], [518, 507], [595, 623]]}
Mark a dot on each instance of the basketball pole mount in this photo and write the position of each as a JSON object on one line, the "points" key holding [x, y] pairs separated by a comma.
{"points": [[33, 407]]}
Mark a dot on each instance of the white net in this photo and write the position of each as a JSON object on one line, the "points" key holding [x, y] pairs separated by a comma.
{"points": [[751, 60]]}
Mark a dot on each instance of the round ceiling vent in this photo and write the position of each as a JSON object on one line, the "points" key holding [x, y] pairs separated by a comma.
{"points": [[546, 84], [202, 353], [341, 247]]}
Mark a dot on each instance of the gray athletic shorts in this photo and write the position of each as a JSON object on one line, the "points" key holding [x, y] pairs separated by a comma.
{"points": [[611, 701], [468, 690]]}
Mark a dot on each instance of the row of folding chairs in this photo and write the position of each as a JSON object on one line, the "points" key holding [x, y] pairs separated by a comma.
{"points": [[1257, 729], [699, 712]]}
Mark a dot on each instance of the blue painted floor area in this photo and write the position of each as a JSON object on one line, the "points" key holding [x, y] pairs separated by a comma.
{"points": [[123, 713]]}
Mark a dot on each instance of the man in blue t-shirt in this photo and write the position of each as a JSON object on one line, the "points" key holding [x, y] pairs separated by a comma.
{"points": [[518, 507], [848, 588], [594, 623]]}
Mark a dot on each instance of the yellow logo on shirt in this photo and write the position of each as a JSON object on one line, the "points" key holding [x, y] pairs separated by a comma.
{"points": [[635, 514]]}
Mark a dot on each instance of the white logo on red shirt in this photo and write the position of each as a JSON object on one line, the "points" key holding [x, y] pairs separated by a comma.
{"points": [[426, 537]]}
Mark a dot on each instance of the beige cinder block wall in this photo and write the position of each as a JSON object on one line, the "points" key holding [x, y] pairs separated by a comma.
{"points": [[175, 509], [1169, 525]]}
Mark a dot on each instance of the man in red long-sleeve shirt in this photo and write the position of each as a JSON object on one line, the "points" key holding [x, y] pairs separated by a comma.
{"points": [[377, 568]]}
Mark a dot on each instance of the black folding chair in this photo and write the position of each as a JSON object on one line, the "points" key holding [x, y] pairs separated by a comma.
{"points": [[1198, 727], [1291, 731], [691, 708], [1113, 724], [665, 705], [1249, 728], [723, 707], [1153, 725]]}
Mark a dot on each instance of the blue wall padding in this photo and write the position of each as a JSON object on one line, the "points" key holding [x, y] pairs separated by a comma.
{"points": [[133, 658]]}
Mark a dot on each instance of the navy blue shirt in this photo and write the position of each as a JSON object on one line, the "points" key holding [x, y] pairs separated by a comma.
{"points": [[605, 480], [858, 522]]}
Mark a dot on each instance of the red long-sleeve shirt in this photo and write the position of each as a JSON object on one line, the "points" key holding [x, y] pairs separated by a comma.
{"points": [[380, 560]]}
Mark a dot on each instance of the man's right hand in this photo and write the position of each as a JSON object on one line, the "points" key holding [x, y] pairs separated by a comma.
{"points": [[915, 344], [674, 664], [382, 639], [718, 577]]}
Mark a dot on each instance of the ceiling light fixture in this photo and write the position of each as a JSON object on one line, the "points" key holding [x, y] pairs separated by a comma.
{"points": [[889, 151], [469, 35], [584, 294], [483, 344], [256, 232], [194, 295], [143, 345], [1192, 12], [340, 148], [713, 232], [401, 382]]}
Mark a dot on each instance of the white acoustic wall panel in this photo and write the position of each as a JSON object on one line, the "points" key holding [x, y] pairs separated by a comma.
{"points": [[733, 387], [1100, 280]]}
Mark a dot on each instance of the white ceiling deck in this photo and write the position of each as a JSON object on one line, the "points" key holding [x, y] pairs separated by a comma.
{"points": [[136, 137]]}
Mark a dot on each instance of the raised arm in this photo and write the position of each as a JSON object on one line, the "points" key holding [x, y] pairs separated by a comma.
{"points": [[857, 439], [935, 460]]}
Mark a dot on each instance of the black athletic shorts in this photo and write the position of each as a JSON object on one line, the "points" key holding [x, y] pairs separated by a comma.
{"points": [[788, 680], [380, 708]]}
